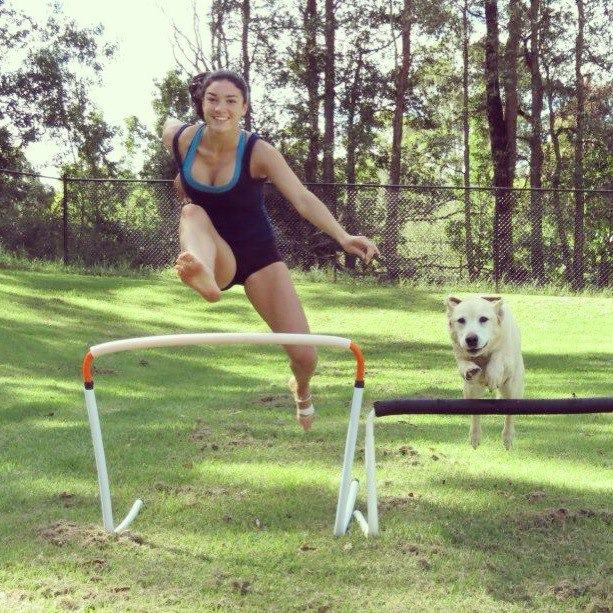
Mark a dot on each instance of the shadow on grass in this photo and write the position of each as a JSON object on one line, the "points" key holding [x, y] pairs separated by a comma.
{"points": [[518, 551]]}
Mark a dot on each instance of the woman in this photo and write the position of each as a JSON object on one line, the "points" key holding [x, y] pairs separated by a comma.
{"points": [[225, 234]]}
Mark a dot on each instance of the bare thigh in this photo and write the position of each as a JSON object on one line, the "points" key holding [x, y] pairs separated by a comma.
{"points": [[274, 297]]}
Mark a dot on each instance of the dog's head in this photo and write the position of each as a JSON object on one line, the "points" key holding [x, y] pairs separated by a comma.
{"points": [[474, 323]]}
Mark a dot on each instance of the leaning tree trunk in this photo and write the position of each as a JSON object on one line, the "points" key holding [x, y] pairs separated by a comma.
{"points": [[536, 149], [579, 231], [401, 80]]}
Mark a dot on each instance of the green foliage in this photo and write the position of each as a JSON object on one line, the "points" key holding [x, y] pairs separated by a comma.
{"points": [[61, 62]]}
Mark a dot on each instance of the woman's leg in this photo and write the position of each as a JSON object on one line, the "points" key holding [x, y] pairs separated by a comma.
{"points": [[272, 293], [206, 261]]}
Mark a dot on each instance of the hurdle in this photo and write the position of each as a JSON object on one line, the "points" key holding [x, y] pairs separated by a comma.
{"points": [[423, 406], [348, 487]]}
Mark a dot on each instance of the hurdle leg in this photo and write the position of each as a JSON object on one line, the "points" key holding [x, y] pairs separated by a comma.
{"points": [[343, 512], [103, 477], [371, 479]]}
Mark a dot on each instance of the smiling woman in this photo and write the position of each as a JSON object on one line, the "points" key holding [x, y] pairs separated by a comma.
{"points": [[225, 233]]}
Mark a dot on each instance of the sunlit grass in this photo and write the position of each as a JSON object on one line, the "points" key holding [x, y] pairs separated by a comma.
{"points": [[239, 503]]}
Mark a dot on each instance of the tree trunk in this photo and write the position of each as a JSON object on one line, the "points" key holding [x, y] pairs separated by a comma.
{"points": [[312, 84], [246, 12], [401, 86], [555, 183], [220, 57], [502, 243], [468, 234], [536, 148], [329, 77], [509, 73], [350, 173], [579, 235]]}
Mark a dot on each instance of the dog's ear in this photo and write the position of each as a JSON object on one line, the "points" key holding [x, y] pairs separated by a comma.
{"points": [[498, 304], [451, 303]]}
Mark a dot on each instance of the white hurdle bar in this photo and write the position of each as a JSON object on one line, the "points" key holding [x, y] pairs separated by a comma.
{"points": [[348, 488]]}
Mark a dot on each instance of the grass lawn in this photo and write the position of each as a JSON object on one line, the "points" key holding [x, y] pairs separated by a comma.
{"points": [[239, 502]]}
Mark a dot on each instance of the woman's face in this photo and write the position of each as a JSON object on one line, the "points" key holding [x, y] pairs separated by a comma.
{"points": [[223, 106]]}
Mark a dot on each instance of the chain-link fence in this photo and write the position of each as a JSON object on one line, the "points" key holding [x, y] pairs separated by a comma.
{"points": [[428, 234]]}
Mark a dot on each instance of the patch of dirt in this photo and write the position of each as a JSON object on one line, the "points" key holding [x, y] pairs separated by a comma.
{"points": [[408, 451], [242, 587], [242, 442], [548, 518], [600, 593], [278, 400], [536, 496], [424, 564], [238, 427], [99, 370], [398, 502], [160, 486], [67, 499], [409, 548], [55, 591], [63, 533], [200, 434]]}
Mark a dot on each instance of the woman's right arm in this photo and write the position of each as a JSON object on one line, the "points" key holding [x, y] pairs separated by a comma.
{"points": [[169, 129]]}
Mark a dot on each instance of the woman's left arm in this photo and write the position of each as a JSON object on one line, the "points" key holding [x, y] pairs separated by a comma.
{"points": [[268, 162]]}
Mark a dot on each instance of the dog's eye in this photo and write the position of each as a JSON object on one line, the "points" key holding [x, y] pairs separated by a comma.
{"points": [[461, 320], [482, 320]]}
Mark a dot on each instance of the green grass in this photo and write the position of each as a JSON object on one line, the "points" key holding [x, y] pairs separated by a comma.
{"points": [[239, 503]]}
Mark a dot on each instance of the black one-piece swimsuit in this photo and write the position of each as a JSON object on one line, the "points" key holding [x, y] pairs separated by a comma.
{"points": [[236, 209]]}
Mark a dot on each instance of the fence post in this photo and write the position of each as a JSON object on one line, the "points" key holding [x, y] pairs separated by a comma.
{"points": [[65, 219]]}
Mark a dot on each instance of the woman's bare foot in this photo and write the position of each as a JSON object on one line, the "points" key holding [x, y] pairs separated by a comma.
{"points": [[305, 412], [196, 274]]}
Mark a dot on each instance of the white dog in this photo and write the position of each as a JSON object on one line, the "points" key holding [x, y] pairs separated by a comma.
{"points": [[487, 347]]}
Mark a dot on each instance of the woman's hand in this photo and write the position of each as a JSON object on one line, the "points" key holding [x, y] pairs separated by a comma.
{"points": [[361, 246]]}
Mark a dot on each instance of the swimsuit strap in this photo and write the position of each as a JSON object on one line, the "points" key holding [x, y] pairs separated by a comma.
{"points": [[253, 137]]}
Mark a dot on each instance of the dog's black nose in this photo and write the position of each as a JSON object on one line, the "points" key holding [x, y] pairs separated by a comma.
{"points": [[472, 340]]}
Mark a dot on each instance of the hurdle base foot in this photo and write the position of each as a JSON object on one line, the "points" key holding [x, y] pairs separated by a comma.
{"points": [[130, 517]]}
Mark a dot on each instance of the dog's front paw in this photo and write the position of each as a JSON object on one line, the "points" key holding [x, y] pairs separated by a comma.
{"points": [[472, 373], [475, 435], [469, 370], [508, 434]]}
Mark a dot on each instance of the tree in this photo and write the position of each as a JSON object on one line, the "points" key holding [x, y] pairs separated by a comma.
{"points": [[310, 77], [502, 128], [329, 97], [536, 146], [468, 234], [579, 234], [49, 92], [401, 77]]}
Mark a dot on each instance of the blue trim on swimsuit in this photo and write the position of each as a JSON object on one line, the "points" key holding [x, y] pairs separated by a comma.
{"points": [[189, 160]]}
